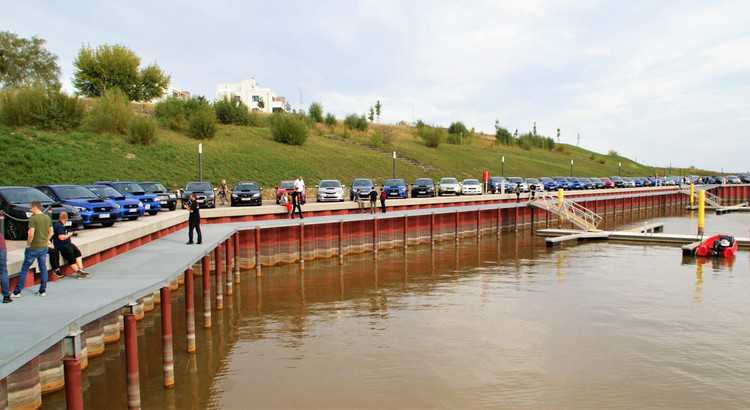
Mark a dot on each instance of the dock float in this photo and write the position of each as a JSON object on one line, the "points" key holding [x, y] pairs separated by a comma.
{"points": [[558, 236]]}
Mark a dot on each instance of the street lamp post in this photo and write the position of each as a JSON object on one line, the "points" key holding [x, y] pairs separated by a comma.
{"points": [[200, 162], [619, 169], [502, 172], [571, 167], [394, 164]]}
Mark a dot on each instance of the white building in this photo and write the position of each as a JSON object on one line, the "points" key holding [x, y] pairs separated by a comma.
{"points": [[249, 93]]}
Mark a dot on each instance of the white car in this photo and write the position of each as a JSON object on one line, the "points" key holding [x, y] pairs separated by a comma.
{"points": [[471, 187], [517, 181], [449, 186], [330, 190], [538, 185]]}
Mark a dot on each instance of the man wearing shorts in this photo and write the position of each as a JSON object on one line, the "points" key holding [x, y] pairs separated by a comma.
{"points": [[63, 245]]}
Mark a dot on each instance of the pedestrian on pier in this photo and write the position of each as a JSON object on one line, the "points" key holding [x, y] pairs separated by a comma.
{"points": [[359, 202], [37, 244], [373, 200], [65, 247], [4, 282], [296, 202], [518, 192], [223, 190], [382, 199], [194, 219]]}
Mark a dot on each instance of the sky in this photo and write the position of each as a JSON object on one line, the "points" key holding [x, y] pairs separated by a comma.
{"points": [[666, 83]]}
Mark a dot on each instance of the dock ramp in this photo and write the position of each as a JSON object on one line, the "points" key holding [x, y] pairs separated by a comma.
{"points": [[711, 199], [571, 211]]}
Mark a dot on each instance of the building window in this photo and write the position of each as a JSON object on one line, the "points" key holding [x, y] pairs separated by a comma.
{"points": [[256, 98], [237, 98]]}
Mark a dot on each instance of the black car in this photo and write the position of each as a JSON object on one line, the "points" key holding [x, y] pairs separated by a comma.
{"points": [[204, 193], [246, 193], [167, 199], [14, 202], [422, 187]]}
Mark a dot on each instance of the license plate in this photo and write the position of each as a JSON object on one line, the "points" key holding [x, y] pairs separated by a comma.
{"points": [[68, 223], [147, 207], [133, 211], [163, 202], [104, 216], [245, 199]]}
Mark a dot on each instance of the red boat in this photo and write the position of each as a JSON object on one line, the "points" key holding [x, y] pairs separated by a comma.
{"points": [[718, 245]]}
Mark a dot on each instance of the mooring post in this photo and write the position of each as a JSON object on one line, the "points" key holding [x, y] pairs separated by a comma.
{"points": [[189, 311], [131, 356], [432, 230], [236, 238], [257, 251], [406, 234], [301, 246], [72, 364], [499, 221], [219, 278], [206, 292], [375, 237], [166, 336], [701, 210], [479, 227], [228, 269], [560, 203], [341, 242], [455, 226]]}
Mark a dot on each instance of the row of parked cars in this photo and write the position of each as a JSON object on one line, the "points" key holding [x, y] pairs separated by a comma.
{"points": [[102, 202]]}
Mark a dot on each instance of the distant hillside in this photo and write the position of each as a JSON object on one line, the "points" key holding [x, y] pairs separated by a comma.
{"points": [[31, 157]]}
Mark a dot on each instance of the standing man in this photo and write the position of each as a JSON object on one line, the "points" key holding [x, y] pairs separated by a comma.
{"points": [[296, 201], [37, 243], [382, 199], [4, 283], [194, 219], [373, 200], [299, 186], [65, 247]]}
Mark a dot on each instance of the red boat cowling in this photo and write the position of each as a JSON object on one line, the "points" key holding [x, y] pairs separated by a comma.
{"points": [[721, 245]]}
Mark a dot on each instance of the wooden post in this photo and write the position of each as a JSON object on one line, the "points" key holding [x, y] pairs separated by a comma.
{"points": [[131, 357], [375, 237], [301, 246], [219, 278], [189, 310], [206, 292], [228, 260], [341, 242], [257, 251], [236, 238], [166, 336]]}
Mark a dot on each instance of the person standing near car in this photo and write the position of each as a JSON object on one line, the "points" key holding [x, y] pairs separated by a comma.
{"points": [[4, 282], [299, 186], [194, 219], [65, 247], [37, 243], [373, 200], [382, 199], [223, 191], [297, 201]]}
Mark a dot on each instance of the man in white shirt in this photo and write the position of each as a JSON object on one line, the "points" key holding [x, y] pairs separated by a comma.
{"points": [[299, 186]]}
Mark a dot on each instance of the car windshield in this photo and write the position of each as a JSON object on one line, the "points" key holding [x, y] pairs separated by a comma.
{"points": [[395, 182], [515, 179], [448, 181], [154, 187], [250, 186], [573, 179], [129, 187], [595, 180], [470, 182], [546, 179], [330, 184], [362, 183], [560, 179], [25, 195], [198, 186], [75, 192], [286, 184], [103, 191], [423, 181], [532, 180]]}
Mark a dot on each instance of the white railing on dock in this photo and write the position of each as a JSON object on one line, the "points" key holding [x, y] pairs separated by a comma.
{"points": [[711, 199], [577, 214]]}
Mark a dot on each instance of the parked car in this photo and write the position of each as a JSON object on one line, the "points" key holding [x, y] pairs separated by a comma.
{"points": [[131, 189], [495, 185], [534, 184], [130, 209], [363, 185], [330, 190], [548, 183], [733, 179], [14, 203], [204, 193], [423, 187], [285, 188], [395, 188], [167, 199], [246, 193], [597, 183], [517, 181], [619, 182], [586, 182], [562, 182], [608, 182], [574, 183], [471, 187], [745, 178], [629, 182], [449, 186], [93, 210]]}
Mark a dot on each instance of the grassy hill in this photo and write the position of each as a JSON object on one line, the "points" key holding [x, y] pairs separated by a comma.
{"points": [[31, 157]]}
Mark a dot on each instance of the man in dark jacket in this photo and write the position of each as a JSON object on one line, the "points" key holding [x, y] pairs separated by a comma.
{"points": [[194, 220]]}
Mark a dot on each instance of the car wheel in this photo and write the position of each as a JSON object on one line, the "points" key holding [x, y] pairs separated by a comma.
{"points": [[440, 194], [152, 213], [173, 207], [135, 218], [107, 224], [11, 230]]}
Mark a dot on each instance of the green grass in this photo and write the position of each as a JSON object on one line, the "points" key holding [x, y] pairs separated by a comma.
{"points": [[31, 157]]}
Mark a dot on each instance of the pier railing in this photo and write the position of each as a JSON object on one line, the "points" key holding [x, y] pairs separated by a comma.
{"points": [[572, 211], [711, 199]]}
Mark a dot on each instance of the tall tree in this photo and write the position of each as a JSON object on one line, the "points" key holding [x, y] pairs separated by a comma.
{"points": [[371, 115], [109, 66], [378, 108], [26, 62]]}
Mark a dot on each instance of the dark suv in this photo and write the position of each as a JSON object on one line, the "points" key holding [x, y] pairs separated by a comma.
{"points": [[423, 187], [166, 198], [246, 193], [14, 203], [204, 193]]}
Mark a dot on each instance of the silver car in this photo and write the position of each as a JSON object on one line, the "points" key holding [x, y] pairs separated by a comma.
{"points": [[330, 190], [449, 186], [518, 182]]}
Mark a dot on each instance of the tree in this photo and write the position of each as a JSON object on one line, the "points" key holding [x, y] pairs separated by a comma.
{"points": [[108, 66], [261, 103], [503, 136], [25, 62], [316, 111], [558, 135], [371, 115], [378, 108]]}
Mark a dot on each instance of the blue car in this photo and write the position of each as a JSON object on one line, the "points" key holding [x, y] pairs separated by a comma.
{"points": [[395, 188], [130, 189], [562, 182], [574, 183], [549, 183], [130, 209], [93, 210]]}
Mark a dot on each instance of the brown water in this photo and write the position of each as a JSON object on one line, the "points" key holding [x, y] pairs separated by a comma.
{"points": [[494, 323]]}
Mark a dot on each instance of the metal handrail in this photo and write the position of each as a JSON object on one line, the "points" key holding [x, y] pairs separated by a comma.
{"points": [[570, 210], [711, 199]]}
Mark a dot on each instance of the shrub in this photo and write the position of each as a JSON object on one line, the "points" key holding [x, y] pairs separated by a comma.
{"points": [[458, 128], [202, 125], [612, 153], [376, 140], [62, 112], [177, 122], [111, 113], [330, 120], [23, 106], [232, 111], [316, 111], [355, 122], [432, 136], [503, 136], [288, 129], [602, 160], [454, 139], [142, 130], [257, 119]]}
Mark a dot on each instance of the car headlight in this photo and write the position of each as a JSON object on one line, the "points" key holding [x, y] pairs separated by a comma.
{"points": [[235, 196], [117, 206], [81, 209], [28, 214], [172, 196], [140, 204], [256, 195]]}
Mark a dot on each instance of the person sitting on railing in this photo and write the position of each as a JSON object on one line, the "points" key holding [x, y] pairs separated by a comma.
{"points": [[63, 246]]}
